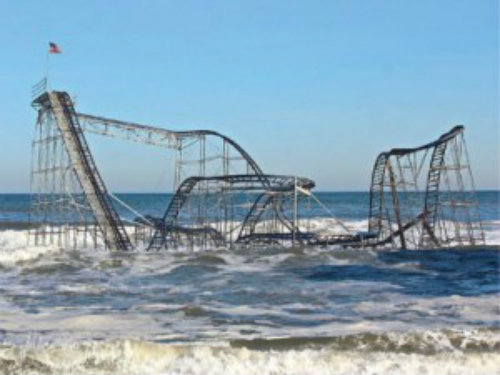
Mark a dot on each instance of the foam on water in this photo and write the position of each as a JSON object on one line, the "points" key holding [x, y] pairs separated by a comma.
{"points": [[441, 352], [492, 232], [14, 247], [265, 311]]}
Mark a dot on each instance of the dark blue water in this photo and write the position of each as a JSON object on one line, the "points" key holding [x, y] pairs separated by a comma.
{"points": [[345, 205], [446, 272]]}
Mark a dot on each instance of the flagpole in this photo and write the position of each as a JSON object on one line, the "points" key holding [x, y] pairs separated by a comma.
{"points": [[47, 68]]}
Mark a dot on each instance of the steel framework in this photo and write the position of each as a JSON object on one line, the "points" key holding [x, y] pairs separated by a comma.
{"points": [[227, 210], [420, 198], [425, 197], [69, 198]]}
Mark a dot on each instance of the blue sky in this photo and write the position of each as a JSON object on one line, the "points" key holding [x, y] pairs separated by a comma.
{"points": [[314, 88]]}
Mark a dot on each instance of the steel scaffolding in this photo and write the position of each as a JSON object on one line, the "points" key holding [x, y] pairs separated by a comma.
{"points": [[425, 197], [421, 197]]}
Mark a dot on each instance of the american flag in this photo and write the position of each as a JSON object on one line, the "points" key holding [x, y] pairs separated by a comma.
{"points": [[53, 48]]}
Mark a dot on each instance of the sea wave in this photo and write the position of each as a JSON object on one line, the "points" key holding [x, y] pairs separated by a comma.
{"points": [[441, 352], [16, 246]]}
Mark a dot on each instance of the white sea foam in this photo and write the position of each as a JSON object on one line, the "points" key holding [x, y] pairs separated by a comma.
{"points": [[14, 247], [314, 309], [190, 321], [138, 357], [492, 232]]}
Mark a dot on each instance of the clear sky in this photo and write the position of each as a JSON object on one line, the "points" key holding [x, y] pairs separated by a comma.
{"points": [[314, 88]]}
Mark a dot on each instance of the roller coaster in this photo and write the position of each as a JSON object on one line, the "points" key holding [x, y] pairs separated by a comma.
{"points": [[421, 197], [425, 196]]}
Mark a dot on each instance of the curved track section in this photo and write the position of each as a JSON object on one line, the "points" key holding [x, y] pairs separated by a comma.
{"points": [[401, 214], [161, 137], [238, 184]]}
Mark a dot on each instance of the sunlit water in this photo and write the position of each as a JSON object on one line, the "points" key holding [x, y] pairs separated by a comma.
{"points": [[258, 311]]}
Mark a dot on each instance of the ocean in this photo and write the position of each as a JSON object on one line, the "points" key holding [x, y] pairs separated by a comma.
{"points": [[268, 310]]}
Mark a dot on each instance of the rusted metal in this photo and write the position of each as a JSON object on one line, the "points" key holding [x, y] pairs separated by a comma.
{"points": [[434, 203], [420, 197]]}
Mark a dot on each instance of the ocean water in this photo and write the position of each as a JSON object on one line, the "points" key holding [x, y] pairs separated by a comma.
{"points": [[267, 310]]}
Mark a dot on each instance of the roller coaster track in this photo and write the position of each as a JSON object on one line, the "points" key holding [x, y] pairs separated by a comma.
{"points": [[263, 201], [383, 174], [432, 190], [60, 104], [275, 183], [158, 136], [258, 208], [73, 125], [60, 147], [377, 194]]}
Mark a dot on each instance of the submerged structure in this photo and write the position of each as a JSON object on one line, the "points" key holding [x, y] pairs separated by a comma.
{"points": [[424, 197], [419, 198]]}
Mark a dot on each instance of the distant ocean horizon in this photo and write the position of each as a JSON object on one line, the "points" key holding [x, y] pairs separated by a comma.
{"points": [[345, 204]]}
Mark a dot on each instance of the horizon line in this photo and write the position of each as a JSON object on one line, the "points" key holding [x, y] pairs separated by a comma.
{"points": [[317, 191]]}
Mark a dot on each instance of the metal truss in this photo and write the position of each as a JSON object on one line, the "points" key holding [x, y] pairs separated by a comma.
{"points": [[419, 198], [227, 205], [425, 197], [198, 152], [60, 135], [239, 210], [69, 201]]}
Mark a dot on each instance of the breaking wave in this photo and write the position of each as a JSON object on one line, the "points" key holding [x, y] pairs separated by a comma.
{"points": [[268, 311], [14, 247], [441, 352], [14, 244]]}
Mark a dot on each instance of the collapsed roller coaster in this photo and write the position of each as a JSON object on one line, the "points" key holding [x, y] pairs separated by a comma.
{"points": [[419, 198]]}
